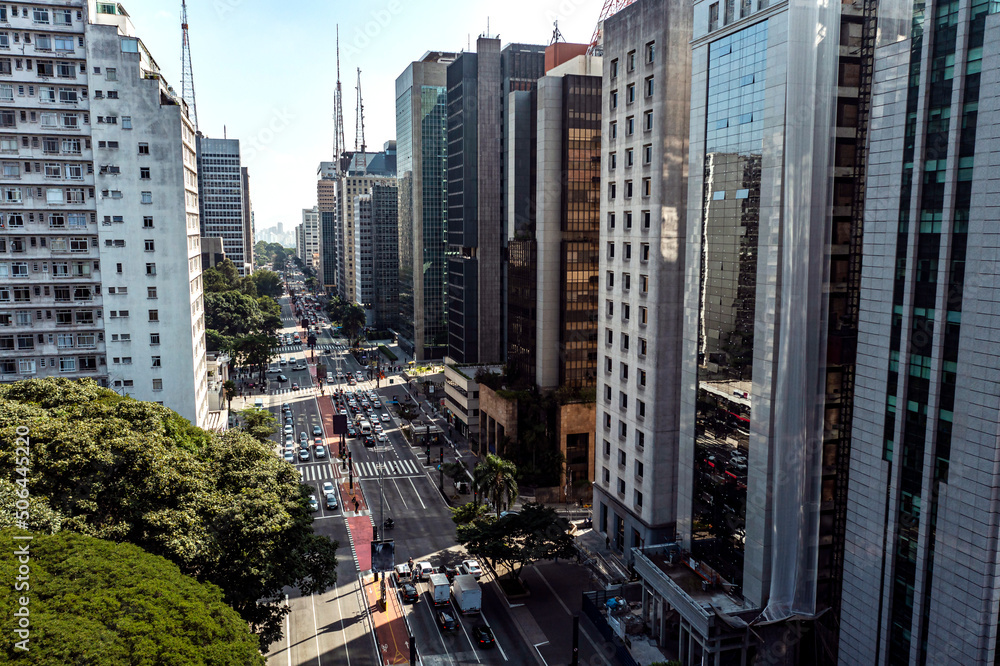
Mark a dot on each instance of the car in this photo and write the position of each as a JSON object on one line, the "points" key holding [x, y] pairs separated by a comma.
{"points": [[446, 621], [331, 501], [422, 570], [484, 636], [328, 487], [299, 366], [289, 429], [283, 361], [289, 456], [351, 432], [303, 454], [289, 439], [409, 592], [313, 504], [317, 431], [285, 407], [471, 567], [450, 572], [385, 417], [303, 438], [401, 573], [343, 412], [320, 452], [381, 438], [317, 441], [369, 440], [295, 386]]}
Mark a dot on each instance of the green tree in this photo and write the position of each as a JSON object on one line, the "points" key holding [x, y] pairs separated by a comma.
{"points": [[221, 277], [495, 479], [535, 533], [259, 424], [353, 323], [271, 312], [215, 341], [223, 508], [232, 314], [230, 390], [469, 512], [268, 283], [99, 602], [255, 351]]}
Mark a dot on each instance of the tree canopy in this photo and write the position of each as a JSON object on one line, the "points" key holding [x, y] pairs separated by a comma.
{"points": [[535, 533], [97, 602], [268, 283], [495, 479], [223, 508]]}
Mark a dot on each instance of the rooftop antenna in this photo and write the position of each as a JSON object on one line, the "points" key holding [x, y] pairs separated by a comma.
{"points": [[339, 144], [187, 73], [556, 35], [359, 135]]}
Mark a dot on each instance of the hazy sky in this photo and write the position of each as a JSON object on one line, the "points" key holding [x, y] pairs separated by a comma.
{"points": [[266, 70]]}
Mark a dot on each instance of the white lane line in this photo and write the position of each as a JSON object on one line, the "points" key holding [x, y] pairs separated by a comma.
{"points": [[537, 645], [422, 505], [319, 659], [288, 633], [586, 635], [473, 647], [487, 623], [405, 505], [343, 626]]}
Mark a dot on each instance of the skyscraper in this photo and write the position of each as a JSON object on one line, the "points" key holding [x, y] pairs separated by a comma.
{"points": [[223, 202], [376, 258], [421, 135], [326, 202], [920, 572]]}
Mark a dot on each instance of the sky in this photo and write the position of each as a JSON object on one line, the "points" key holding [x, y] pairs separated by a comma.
{"points": [[265, 71]]}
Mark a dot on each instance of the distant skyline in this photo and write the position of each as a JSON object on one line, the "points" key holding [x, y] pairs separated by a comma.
{"points": [[266, 75]]}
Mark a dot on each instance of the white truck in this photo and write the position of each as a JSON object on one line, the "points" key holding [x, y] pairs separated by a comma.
{"points": [[468, 595], [439, 589]]}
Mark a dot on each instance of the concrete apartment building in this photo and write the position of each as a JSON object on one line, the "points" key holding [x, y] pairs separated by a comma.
{"points": [[920, 572], [153, 307], [224, 202], [422, 140], [643, 213], [308, 249], [113, 289]]}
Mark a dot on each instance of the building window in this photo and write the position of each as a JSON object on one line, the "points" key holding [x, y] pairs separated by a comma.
{"points": [[622, 458], [651, 52], [628, 220], [611, 308], [622, 429], [626, 281], [640, 439], [150, 292], [630, 93], [607, 393], [640, 407], [624, 371], [147, 222], [147, 197], [143, 173], [611, 279], [154, 315], [614, 68], [127, 122], [647, 121], [607, 448], [154, 338], [647, 154], [144, 149], [607, 474], [638, 499], [629, 157], [642, 346], [611, 250], [150, 269], [646, 219], [713, 16], [611, 221], [612, 190], [621, 487], [157, 384], [607, 421], [612, 127], [609, 337], [607, 359], [630, 126], [644, 252], [623, 400], [612, 160], [150, 245], [644, 283], [628, 189], [628, 251], [630, 61], [730, 11], [156, 362], [641, 377], [614, 99], [624, 342], [643, 315]]}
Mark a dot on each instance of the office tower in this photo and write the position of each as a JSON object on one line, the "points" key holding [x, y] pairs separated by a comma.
{"points": [[310, 243], [385, 251], [326, 202], [475, 229], [920, 571], [147, 201], [223, 211], [421, 133], [770, 286], [249, 228], [50, 295], [357, 178]]}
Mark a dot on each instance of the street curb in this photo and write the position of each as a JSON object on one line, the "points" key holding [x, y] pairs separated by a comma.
{"points": [[518, 622]]}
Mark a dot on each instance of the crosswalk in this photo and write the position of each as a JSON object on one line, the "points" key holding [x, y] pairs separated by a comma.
{"points": [[290, 391], [362, 470], [293, 348]]}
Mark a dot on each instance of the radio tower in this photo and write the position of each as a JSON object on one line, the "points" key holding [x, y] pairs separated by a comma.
{"points": [[187, 75], [339, 144], [359, 134]]}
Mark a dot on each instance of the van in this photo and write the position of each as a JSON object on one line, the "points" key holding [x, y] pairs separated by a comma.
{"points": [[366, 428], [258, 403]]}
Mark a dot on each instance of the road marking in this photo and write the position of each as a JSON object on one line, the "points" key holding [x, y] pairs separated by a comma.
{"points": [[288, 633], [343, 628], [487, 622], [405, 505], [415, 492], [473, 647], [312, 600], [586, 635], [537, 645]]}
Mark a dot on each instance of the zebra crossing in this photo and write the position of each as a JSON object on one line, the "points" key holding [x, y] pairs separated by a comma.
{"points": [[293, 348], [291, 391], [362, 470]]}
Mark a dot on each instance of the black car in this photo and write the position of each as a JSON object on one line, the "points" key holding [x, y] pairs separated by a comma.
{"points": [[282, 379], [351, 432], [409, 592], [450, 572], [369, 441], [484, 636], [446, 621]]}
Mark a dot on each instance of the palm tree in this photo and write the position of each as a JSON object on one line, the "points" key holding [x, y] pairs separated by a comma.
{"points": [[494, 479], [230, 390]]}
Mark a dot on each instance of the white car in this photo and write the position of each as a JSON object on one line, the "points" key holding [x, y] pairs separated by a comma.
{"points": [[471, 567], [381, 438], [422, 570], [328, 487], [289, 430], [289, 456], [385, 417]]}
